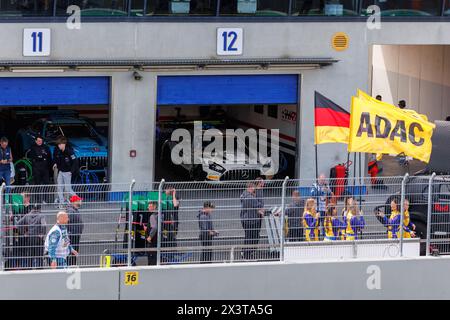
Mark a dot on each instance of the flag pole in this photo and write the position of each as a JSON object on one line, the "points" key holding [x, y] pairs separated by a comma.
{"points": [[315, 141], [354, 171], [360, 180], [317, 165]]}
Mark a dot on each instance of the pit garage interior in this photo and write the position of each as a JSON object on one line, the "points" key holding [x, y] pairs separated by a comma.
{"points": [[418, 74], [77, 107], [227, 102]]}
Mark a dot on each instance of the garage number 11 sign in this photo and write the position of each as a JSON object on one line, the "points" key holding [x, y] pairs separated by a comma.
{"points": [[229, 41], [36, 42]]}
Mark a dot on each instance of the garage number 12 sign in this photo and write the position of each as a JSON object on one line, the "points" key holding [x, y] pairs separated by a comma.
{"points": [[36, 42], [229, 41]]}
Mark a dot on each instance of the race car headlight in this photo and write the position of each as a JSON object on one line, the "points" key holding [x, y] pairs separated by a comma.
{"points": [[216, 167]]}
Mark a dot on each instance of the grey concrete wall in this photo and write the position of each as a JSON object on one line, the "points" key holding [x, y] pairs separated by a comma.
{"points": [[418, 74], [133, 102], [59, 285], [420, 278]]}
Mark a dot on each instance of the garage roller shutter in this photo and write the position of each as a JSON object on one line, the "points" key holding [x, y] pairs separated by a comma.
{"points": [[228, 89], [46, 91]]}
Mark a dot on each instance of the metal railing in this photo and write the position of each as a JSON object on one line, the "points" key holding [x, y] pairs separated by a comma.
{"points": [[228, 221]]}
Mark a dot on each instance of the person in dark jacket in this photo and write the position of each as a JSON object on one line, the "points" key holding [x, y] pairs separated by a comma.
{"points": [[65, 161], [207, 231], [5, 161], [32, 230], [75, 227], [294, 212], [41, 161], [251, 214], [152, 233], [170, 218]]}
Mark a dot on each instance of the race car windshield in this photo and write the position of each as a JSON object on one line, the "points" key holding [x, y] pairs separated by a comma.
{"points": [[70, 130], [236, 142]]}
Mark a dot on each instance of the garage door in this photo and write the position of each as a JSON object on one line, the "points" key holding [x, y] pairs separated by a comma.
{"points": [[38, 91], [227, 89]]}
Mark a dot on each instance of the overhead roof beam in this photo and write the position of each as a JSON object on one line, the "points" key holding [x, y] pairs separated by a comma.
{"points": [[124, 65]]}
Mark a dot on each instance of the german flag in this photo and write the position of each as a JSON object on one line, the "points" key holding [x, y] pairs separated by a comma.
{"points": [[331, 123]]}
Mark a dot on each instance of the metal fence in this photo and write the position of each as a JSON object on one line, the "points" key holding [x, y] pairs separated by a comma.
{"points": [[233, 221]]}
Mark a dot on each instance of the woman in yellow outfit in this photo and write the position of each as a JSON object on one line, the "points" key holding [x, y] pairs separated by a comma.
{"points": [[310, 220], [393, 223], [348, 201], [332, 225], [353, 220]]}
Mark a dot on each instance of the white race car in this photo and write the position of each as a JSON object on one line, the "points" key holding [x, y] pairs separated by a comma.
{"points": [[242, 163]]}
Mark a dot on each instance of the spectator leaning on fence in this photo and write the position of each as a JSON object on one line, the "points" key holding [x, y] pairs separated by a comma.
{"points": [[152, 232], [321, 191], [251, 213], [207, 231], [333, 226], [75, 226], [32, 234], [294, 212], [393, 222], [26, 206], [65, 161], [311, 221], [354, 221], [57, 243]]}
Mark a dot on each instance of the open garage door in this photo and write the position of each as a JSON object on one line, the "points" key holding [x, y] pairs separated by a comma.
{"points": [[227, 102], [76, 107]]}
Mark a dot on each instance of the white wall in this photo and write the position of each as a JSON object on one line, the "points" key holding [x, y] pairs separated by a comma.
{"points": [[418, 74], [405, 278]]}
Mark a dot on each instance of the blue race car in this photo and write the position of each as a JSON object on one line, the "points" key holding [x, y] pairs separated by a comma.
{"points": [[89, 146]]}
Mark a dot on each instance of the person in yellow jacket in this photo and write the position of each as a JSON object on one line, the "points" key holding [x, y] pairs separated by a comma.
{"points": [[348, 201], [310, 220], [354, 221], [333, 227], [393, 222]]}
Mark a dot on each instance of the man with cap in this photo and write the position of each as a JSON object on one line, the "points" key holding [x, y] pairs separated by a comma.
{"points": [[41, 160], [207, 231], [75, 226]]}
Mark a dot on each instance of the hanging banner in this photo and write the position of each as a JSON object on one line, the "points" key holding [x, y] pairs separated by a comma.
{"points": [[381, 128]]}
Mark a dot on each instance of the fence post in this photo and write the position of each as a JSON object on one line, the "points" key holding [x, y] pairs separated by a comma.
{"points": [[429, 212], [160, 189], [2, 233], [402, 212], [283, 209], [130, 220]]}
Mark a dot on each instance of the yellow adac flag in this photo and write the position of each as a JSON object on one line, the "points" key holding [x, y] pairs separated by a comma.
{"points": [[381, 128], [361, 94]]}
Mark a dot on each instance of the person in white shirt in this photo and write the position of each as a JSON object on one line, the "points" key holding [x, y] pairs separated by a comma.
{"points": [[57, 243]]}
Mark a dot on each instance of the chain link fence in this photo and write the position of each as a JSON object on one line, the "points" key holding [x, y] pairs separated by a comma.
{"points": [[165, 223]]}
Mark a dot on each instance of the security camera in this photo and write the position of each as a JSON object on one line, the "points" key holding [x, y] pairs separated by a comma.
{"points": [[137, 76]]}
